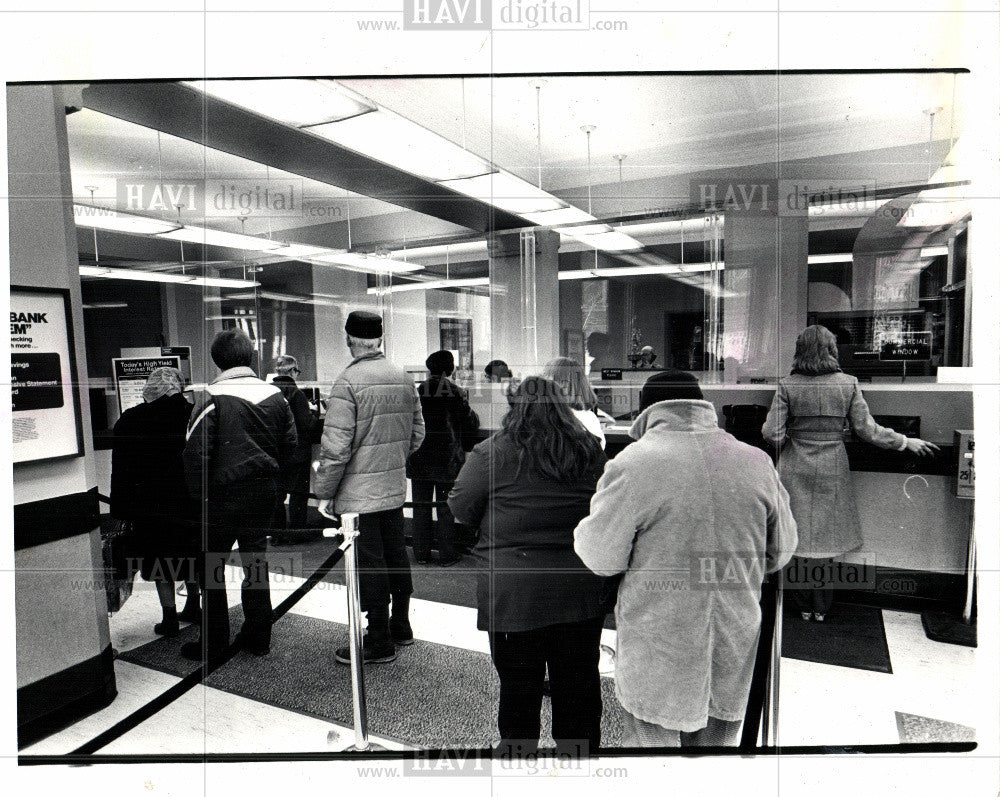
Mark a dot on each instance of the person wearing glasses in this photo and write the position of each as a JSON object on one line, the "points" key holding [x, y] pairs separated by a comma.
{"points": [[295, 476]]}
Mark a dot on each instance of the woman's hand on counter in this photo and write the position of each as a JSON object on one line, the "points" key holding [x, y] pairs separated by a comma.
{"points": [[921, 447]]}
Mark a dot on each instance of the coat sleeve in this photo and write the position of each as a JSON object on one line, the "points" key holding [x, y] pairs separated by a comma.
{"points": [[123, 462], [603, 540], [864, 425], [777, 417], [470, 495], [202, 434], [417, 435], [337, 445], [288, 438], [782, 535]]}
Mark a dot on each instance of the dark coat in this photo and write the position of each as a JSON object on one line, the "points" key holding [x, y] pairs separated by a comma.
{"points": [[147, 483], [447, 418], [529, 576], [307, 423]]}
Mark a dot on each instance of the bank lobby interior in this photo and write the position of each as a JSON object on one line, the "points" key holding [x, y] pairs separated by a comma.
{"points": [[709, 217]]}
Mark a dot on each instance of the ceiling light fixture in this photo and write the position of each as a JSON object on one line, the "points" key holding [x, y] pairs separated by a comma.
{"points": [[105, 219], [159, 276], [434, 285], [229, 240], [369, 264]]}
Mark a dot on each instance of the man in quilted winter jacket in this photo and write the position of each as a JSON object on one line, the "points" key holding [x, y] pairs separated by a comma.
{"points": [[373, 423]]}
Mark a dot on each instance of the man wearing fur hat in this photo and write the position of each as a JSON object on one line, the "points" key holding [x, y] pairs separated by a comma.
{"points": [[373, 423]]}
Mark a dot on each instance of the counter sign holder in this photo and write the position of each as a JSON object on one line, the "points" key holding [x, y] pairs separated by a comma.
{"points": [[45, 402]]}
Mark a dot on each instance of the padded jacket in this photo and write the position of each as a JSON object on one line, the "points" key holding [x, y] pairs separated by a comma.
{"points": [[373, 423], [306, 423], [241, 429]]}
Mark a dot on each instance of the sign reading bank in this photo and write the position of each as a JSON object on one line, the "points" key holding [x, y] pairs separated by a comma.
{"points": [[496, 14]]}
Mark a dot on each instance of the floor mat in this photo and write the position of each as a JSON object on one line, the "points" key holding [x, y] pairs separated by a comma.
{"points": [[852, 636], [433, 696], [914, 728]]}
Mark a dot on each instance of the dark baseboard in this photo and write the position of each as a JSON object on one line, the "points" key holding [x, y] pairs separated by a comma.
{"points": [[910, 591], [58, 700]]}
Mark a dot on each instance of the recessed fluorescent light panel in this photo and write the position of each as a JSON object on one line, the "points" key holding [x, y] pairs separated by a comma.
{"points": [[230, 240], [105, 219], [392, 139], [295, 102], [506, 192]]}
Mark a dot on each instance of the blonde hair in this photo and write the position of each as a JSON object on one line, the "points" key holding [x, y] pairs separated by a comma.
{"points": [[568, 374], [816, 352]]}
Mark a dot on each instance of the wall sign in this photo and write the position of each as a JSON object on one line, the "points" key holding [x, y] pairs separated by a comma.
{"points": [[131, 373], [183, 352], [44, 401], [905, 347]]}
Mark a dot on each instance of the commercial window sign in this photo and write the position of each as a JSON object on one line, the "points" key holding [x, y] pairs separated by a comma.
{"points": [[131, 374], [45, 404], [905, 347]]}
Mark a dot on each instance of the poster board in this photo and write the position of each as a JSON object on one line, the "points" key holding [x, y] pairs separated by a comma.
{"points": [[45, 404], [183, 352], [130, 374]]}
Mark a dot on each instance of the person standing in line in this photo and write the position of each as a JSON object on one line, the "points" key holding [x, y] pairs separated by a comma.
{"points": [[240, 437], [693, 518], [568, 374], [526, 487], [295, 477], [496, 371], [810, 414], [373, 423], [432, 468], [147, 488]]}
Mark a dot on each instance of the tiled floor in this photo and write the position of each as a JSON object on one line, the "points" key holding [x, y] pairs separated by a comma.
{"points": [[819, 704]]}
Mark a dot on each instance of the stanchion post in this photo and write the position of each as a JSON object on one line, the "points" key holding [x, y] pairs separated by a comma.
{"points": [[349, 528], [779, 599]]}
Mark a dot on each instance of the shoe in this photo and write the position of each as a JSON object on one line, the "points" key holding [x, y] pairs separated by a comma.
{"points": [[167, 627], [377, 653], [806, 616], [448, 561], [190, 614], [819, 618], [255, 648], [402, 633]]}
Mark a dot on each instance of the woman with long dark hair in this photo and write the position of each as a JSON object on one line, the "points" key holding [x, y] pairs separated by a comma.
{"points": [[528, 486], [568, 374], [812, 410]]}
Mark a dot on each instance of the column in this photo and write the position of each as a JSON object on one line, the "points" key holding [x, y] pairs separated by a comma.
{"points": [[524, 299], [64, 658]]}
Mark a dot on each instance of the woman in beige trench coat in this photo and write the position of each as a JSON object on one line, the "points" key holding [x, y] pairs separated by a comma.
{"points": [[812, 410]]}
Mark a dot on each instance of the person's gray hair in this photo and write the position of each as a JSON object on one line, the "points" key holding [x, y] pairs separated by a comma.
{"points": [[284, 363], [364, 343], [162, 382]]}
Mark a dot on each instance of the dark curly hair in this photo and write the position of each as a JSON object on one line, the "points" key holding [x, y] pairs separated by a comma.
{"points": [[549, 438]]}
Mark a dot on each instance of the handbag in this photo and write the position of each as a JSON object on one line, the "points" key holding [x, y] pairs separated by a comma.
{"points": [[118, 572]]}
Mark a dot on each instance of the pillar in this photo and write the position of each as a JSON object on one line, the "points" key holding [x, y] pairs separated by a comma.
{"points": [[64, 658], [524, 299]]}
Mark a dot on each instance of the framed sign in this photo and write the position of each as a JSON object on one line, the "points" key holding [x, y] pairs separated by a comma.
{"points": [[45, 403], [905, 347], [131, 373]]}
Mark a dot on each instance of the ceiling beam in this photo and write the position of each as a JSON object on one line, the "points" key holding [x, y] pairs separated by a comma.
{"points": [[186, 113]]}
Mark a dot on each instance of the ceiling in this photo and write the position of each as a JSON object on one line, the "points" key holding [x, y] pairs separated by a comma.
{"points": [[869, 128]]}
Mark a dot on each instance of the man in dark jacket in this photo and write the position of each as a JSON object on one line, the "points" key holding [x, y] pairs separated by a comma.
{"points": [[373, 423], [432, 468], [240, 436], [295, 477]]}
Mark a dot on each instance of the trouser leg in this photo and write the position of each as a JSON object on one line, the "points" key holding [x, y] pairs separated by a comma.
{"points": [[373, 581], [639, 733], [298, 495], [445, 520], [717, 733], [397, 563], [519, 660], [215, 606], [255, 590], [573, 653], [423, 493]]}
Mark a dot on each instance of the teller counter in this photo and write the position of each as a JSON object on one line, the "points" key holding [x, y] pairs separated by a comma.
{"points": [[916, 530]]}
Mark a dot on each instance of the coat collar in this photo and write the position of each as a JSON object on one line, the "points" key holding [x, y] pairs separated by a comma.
{"points": [[678, 415], [283, 379], [372, 355], [239, 372]]}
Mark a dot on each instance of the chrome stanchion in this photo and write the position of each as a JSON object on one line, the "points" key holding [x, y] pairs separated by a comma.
{"points": [[349, 530], [775, 685]]}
